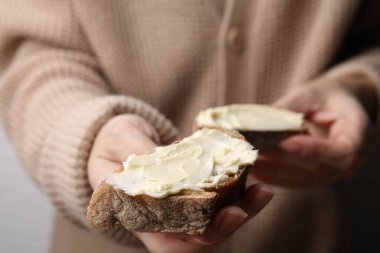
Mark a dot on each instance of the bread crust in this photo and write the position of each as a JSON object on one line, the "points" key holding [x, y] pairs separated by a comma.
{"points": [[268, 140], [188, 211]]}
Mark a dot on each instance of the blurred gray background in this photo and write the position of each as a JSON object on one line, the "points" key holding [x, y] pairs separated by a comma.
{"points": [[25, 213]]}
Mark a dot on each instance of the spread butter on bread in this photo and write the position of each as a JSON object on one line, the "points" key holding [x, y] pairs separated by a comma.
{"points": [[178, 188], [263, 126]]}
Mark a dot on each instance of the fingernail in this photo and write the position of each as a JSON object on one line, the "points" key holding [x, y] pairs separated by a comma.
{"points": [[261, 198], [231, 221]]}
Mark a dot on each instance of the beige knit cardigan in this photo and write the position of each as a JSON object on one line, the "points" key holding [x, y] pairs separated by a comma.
{"points": [[66, 67]]}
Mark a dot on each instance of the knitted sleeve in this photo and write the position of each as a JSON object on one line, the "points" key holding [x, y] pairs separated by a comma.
{"points": [[360, 54], [362, 69], [54, 99]]}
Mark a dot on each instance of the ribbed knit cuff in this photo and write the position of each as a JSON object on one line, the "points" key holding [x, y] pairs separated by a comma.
{"points": [[63, 164]]}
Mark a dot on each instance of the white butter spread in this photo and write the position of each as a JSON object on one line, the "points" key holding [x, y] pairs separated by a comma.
{"points": [[251, 117], [202, 160]]}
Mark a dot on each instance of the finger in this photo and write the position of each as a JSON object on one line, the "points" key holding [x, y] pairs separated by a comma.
{"points": [[300, 101], [103, 168], [144, 126], [230, 218], [131, 142], [226, 222], [338, 153], [140, 140], [280, 157], [276, 172], [340, 141], [350, 121], [349, 130], [166, 242], [256, 198], [323, 117]]}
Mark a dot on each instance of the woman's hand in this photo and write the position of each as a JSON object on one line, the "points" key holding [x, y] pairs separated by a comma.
{"points": [[130, 134], [339, 125], [121, 136]]}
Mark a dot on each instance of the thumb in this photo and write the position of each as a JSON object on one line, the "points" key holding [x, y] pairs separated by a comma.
{"points": [[303, 99]]}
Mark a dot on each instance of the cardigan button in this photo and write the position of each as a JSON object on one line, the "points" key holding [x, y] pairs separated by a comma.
{"points": [[235, 40]]}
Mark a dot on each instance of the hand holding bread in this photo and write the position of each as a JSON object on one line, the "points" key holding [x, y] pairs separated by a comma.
{"points": [[314, 137], [339, 123], [174, 212], [120, 137], [127, 134]]}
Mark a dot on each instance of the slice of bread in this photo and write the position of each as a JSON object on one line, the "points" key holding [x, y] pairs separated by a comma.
{"points": [[263, 126], [267, 140], [185, 212]]}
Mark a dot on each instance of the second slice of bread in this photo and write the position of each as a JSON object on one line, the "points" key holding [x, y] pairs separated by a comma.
{"points": [[261, 138]]}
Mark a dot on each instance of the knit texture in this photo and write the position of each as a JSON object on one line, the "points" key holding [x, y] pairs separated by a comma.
{"points": [[67, 67]]}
